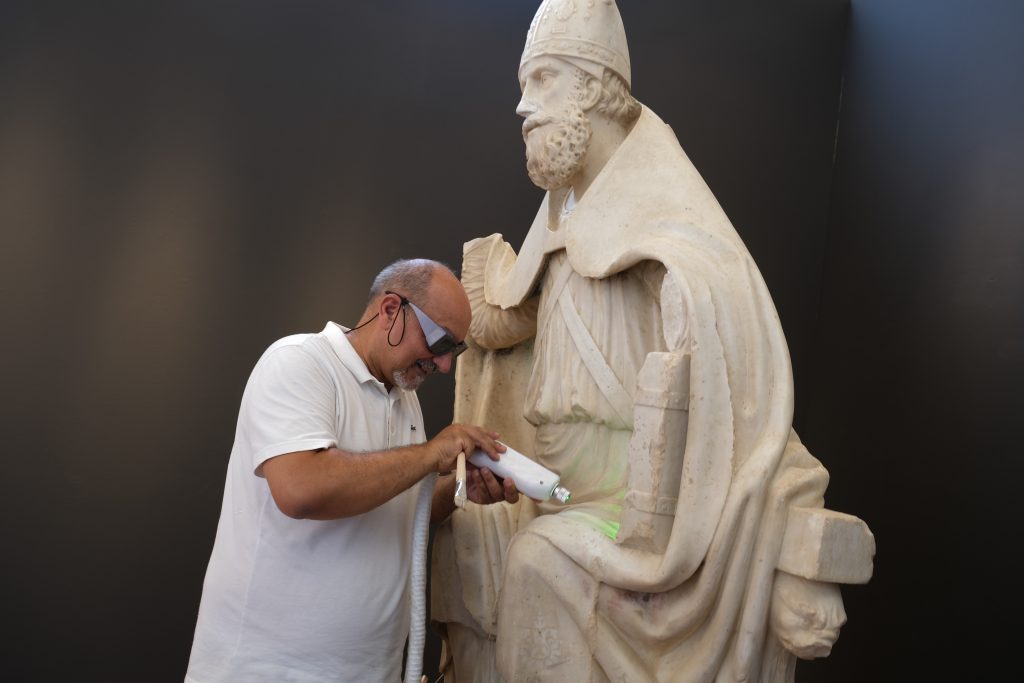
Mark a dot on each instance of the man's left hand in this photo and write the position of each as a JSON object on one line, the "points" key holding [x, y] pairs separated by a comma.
{"points": [[484, 488]]}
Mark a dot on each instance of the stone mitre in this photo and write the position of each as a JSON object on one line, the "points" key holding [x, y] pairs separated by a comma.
{"points": [[588, 33]]}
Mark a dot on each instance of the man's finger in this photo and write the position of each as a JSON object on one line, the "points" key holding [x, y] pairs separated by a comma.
{"points": [[494, 488], [510, 490], [489, 444], [477, 491]]}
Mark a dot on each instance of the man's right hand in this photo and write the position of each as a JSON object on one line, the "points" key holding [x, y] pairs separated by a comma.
{"points": [[457, 438]]}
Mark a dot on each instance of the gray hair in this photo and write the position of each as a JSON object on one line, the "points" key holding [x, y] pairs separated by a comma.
{"points": [[408, 277]]}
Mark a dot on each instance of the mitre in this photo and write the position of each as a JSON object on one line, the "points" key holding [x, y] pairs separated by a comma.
{"points": [[588, 33]]}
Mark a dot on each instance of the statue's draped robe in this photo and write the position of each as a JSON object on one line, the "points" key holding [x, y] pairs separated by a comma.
{"points": [[647, 262]]}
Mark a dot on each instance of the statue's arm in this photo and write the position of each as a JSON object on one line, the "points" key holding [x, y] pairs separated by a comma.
{"points": [[493, 327], [820, 548], [660, 419]]}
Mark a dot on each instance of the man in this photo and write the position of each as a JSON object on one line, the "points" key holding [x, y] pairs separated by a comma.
{"points": [[653, 375], [309, 571]]}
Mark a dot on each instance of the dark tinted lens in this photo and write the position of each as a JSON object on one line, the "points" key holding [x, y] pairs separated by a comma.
{"points": [[442, 346], [447, 344]]}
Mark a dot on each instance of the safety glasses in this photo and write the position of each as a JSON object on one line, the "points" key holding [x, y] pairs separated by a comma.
{"points": [[440, 341]]}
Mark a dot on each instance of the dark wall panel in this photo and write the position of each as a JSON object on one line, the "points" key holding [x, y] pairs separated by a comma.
{"points": [[181, 183], [916, 382]]}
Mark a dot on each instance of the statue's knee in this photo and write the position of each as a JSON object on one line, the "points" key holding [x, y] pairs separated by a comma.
{"points": [[528, 556]]}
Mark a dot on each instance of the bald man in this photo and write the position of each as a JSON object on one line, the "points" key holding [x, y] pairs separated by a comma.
{"points": [[309, 571]]}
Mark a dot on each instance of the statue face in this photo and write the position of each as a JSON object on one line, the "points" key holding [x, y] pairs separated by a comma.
{"points": [[806, 615], [556, 130]]}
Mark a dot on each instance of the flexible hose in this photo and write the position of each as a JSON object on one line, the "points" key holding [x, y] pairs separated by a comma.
{"points": [[418, 581]]}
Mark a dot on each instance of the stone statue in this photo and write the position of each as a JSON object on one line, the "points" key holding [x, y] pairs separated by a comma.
{"points": [[632, 347]]}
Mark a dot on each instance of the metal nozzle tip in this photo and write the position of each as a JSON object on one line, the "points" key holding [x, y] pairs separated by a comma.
{"points": [[561, 494]]}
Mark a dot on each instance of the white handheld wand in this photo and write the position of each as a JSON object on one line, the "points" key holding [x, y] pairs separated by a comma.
{"points": [[531, 478]]}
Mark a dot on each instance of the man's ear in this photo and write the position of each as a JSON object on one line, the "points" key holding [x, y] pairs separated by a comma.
{"points": [[591, 93], [389, 307]]}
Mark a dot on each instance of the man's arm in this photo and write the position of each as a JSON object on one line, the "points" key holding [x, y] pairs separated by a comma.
{"points": [[332, 483]]}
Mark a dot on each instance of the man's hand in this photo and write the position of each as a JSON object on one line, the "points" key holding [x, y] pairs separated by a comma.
{"points": [[456, 438], [484, 488]]}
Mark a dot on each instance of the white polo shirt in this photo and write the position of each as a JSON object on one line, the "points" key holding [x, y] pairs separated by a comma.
{"points": [[305, 600]]}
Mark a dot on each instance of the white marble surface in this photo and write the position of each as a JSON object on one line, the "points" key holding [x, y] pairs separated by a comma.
{"points": [[631, 345]]}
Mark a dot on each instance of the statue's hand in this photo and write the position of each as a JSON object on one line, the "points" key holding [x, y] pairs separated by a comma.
{"points": [[806, 615], [492, 327], [475, 256]]}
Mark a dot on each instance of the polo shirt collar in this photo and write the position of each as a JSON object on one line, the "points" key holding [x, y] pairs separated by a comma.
{"points": [[346, 353]]}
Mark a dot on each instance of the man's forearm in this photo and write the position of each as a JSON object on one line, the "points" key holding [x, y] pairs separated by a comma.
{"points": [[332, 483], [444, 498]]}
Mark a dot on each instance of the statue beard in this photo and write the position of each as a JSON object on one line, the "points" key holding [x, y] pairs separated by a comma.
{"points": [[555, 154]]}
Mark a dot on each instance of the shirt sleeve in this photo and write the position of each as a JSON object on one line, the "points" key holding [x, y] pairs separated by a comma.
{"points": [[289, 405]]}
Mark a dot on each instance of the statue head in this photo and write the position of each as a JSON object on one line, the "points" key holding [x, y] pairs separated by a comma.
{"points": [[587, 32], [574, 72], [806, 615]]}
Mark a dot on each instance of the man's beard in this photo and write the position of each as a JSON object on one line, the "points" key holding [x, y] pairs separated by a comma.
{"points": [[555, 155], [404, 380]]}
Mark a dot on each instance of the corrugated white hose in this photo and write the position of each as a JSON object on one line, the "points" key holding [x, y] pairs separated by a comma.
{"points": [[418, 581]]}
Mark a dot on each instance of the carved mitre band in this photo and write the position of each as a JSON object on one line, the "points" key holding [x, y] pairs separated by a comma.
{"points": [[587, 32]]}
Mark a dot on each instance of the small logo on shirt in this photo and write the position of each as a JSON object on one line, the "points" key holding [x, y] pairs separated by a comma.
{"points": [[412, 427]]}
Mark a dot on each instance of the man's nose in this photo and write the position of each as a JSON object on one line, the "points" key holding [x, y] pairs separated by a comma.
{"points": [[443, 363], [525, 107]]}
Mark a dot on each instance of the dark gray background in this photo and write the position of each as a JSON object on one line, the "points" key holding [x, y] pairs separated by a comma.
{"points": [[181, 183]]}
